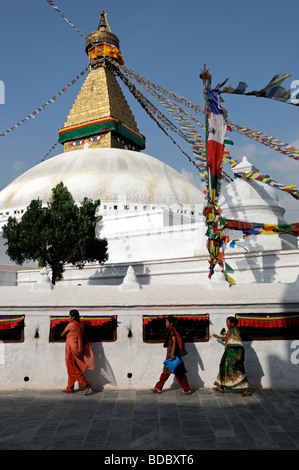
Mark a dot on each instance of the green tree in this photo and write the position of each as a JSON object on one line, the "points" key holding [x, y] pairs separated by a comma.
{"points": [[58, 234]]}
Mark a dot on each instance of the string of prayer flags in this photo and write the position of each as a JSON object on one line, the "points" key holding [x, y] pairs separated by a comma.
{"points": [[44, 105], [182, 118], [258, 136], [256, 228], [48, 153], [273, 90], [253, 175], [234, 230], [266, 179], [154, 113], [52, 4], [266, 140]]}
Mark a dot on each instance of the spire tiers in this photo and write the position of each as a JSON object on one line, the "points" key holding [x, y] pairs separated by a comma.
{"points": [[101, 116]]}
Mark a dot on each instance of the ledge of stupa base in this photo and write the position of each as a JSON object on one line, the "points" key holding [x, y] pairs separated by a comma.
{"points": [[189, 297], [278, 266]]}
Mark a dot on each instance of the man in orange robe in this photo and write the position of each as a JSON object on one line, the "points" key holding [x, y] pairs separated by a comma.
{"points": [[78, 353]]}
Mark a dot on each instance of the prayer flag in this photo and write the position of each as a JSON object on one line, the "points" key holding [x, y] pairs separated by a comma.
{"points": [[215, 142]]}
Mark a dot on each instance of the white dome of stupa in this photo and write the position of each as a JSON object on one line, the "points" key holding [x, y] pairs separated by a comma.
{"points": [[107, 174], [252, 201], [249, 200]]}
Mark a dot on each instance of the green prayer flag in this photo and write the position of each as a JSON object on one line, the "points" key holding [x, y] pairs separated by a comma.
{"points": [[228, 268]]}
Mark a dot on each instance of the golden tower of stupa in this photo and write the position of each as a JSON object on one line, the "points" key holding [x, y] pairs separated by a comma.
{"points": [[101, 115]]}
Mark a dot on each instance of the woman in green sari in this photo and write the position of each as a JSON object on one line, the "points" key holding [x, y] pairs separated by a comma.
{"points": [[231, 374]]}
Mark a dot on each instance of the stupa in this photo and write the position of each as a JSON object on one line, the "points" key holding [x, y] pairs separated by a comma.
{"points": [[103, 154], [101, 115], [158, 260]]}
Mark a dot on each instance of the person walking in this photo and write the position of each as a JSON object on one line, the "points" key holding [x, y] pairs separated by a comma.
{"points": [[78, 353], [173, 343], [232, 376]]}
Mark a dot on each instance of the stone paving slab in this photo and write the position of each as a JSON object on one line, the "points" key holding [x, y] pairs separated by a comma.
{"points": [[140, 420]]}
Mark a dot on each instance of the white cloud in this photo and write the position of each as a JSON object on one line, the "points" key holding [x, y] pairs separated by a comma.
{"points": [[18, 166], [291, 206], [194, 179], [295, 144], [249, 151], [285, 165]]}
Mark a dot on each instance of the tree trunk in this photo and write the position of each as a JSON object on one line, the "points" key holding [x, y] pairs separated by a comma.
{"points": [[54, 275]]}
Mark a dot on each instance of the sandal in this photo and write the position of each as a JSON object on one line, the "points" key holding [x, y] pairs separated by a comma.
{"points": [[156, 390], [186, 393], [86, 390]]}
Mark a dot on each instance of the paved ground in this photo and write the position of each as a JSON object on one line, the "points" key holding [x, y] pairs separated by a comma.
{"points": [[142, 420]]}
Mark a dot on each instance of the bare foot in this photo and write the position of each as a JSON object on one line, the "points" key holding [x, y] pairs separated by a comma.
{"points": [[245, 394], [218, 389]]}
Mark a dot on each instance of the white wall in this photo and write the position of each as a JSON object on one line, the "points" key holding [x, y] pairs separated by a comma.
{"points": [[268, 363]]}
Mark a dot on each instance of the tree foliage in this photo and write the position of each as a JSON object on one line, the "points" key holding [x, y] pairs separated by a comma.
{"points": [[58, 234]]}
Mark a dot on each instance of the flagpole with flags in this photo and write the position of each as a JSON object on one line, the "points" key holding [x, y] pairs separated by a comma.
{"points": [[215, 123], [206, 78]]}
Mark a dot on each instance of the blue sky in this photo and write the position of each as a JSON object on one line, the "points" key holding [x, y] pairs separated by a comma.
{"points": [[166, 41]]}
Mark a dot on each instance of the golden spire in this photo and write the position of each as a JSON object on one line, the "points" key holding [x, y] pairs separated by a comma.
{"points": [[103, 21], [102, 42], [101, 116]]}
